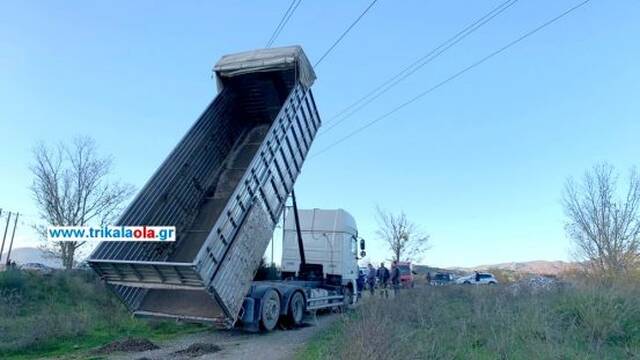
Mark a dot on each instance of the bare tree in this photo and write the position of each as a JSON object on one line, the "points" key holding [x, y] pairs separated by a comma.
{"points": [[404, 238], [604, 221], [71, 188]]}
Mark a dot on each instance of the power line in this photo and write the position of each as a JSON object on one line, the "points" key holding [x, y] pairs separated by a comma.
{"points": [[452, 77], [344, 33], [4, 213], [283, 21], [418, 64]]}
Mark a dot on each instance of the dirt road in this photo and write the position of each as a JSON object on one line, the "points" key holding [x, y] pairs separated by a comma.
{"points": [[235, 344]]}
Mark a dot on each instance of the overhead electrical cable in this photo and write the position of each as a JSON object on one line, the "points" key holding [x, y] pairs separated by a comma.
{"points": [[335, 43], [451, 78], [409, 70], [283, 21]]}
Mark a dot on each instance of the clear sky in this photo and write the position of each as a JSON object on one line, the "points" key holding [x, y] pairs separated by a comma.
{"points": [[479, 163]]}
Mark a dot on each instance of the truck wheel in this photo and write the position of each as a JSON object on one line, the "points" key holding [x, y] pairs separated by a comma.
{"points": [[270, 310], [348, 299], [295, 312]]}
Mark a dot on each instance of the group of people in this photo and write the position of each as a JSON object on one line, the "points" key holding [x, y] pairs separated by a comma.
{"points": [[382, 276]]}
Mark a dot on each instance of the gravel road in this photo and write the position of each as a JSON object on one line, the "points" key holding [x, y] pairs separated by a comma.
{"points": [[235, 344]]}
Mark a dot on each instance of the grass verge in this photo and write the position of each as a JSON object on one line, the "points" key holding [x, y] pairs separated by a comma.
{"points": [[582, 321], [66, 314]]}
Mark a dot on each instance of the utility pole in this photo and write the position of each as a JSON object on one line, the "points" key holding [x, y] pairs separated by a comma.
{"points": [[6, 227], [15, 225]]}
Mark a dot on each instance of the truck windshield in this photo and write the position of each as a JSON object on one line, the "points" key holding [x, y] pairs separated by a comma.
{"points": [[404, 269]]}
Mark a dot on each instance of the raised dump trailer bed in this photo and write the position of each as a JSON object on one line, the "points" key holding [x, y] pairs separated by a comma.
{"points": [[223, 187]]}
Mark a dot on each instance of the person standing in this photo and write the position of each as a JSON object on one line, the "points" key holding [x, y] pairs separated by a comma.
{"points": [[395, 278], [383, 279], [428, 278], [371, 278]]}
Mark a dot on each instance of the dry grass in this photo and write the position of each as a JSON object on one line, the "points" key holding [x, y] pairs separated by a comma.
{"points": [[468, 322]]}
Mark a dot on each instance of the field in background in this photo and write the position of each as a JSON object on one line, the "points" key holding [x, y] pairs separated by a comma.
{"points": [[69, 313], [577, 321], [63, 312]]}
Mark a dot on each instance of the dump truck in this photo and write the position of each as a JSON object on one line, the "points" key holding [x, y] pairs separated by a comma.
{"points": [[224, 187]]}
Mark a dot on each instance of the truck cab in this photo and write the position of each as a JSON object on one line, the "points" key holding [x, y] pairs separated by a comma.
{"points": [[330, 240]]}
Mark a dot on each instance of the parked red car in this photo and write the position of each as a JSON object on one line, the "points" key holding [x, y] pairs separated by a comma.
{"points": [[406, 274]]}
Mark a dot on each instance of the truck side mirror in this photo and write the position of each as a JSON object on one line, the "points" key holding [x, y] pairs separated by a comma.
{"points": [[362, 244]]}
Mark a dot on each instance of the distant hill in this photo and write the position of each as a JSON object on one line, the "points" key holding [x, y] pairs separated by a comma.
{"points": [[31, 255], [423, 269], [541, 267]]}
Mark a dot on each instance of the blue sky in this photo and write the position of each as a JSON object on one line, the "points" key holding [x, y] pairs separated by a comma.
{"points": [[479, 163]]}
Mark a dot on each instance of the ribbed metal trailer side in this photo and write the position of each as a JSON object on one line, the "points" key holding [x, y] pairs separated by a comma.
{"points": [[266, 188], [224, 187], [170, 184]]}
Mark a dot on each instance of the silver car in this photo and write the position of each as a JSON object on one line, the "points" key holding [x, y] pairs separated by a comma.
{"points": [[482, 278]]}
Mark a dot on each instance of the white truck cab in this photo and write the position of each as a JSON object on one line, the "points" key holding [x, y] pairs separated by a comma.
{"points": [[330, 239]]}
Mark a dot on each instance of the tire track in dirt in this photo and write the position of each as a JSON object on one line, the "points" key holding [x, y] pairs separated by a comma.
{"points": [[236, 344]]}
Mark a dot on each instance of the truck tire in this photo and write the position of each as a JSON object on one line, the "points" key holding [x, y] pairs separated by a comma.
{"points": [[270, 312], [348, 299], [295, 312]]}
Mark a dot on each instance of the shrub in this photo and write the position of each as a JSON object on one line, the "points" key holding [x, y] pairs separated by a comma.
{"points": [[13, 280]]}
